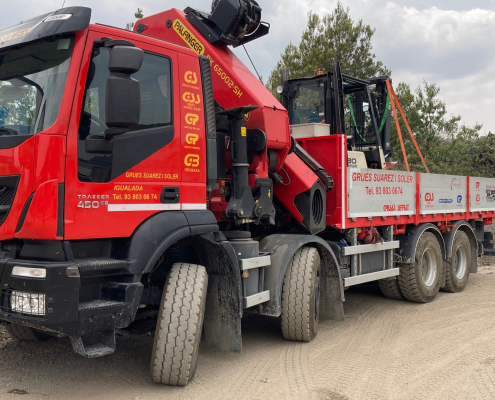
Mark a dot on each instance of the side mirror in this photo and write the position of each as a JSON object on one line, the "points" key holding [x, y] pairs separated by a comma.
{"points": [[123, 93], [122, 97]]}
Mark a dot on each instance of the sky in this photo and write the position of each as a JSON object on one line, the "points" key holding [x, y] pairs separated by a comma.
{"points": [[447, 42]]}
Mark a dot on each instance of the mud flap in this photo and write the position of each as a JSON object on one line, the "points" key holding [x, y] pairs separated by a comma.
{"points": [[331, 304], [221, 327]]}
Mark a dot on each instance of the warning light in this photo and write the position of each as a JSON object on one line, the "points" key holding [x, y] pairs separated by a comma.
{"points": [[320, 72]]}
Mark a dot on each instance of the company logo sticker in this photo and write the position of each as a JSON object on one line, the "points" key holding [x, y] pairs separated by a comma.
{"points": [[192, 139], [191, 98], [188, 37], [459, 199], [191, 77], [455, 184], [191, 160], [445, 201], [429, 197], [192, 119]]}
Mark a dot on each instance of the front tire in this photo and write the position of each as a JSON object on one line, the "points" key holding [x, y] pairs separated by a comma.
{"points": [[25, 333], [180, 322], [420, 282], [301, 296], [457, 268]]}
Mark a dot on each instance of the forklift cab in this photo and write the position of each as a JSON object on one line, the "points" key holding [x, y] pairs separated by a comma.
{"points": [[334, 103]]}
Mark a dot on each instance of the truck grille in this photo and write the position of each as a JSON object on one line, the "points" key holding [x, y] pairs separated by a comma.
{"points": [[8, 186]]}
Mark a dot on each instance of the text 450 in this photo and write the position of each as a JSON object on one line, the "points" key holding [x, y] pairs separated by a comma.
{"points": [[91, 204]]}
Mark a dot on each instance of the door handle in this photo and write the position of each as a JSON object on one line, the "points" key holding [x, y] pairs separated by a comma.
{"points": [[170, 195]]}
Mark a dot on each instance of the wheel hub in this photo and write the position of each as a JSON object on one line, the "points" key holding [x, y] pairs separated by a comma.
{"points": [[460, 262], [429, 267]]}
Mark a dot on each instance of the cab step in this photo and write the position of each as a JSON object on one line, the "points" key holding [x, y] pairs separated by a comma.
{"points": [[100, 266], [104, 347], [99, 304]]}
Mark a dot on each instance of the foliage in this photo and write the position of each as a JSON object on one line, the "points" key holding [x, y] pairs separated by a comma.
{"points": [[448, 145], [138, 15], [326, 37], [20, 110]]}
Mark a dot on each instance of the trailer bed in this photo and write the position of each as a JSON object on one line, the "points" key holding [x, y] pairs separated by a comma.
{"points": [[364, 197]]}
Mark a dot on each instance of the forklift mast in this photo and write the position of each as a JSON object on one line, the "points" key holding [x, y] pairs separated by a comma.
{"points": [[359, 108]]}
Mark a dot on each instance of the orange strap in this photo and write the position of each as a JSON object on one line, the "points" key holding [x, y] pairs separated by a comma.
{"points": [[392, 102], [394, 96]]}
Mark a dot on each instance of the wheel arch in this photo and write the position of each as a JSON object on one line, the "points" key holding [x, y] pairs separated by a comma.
{"points": [[449, 237], [156, 234], [409, 242], [283, 247], [224, 302]]}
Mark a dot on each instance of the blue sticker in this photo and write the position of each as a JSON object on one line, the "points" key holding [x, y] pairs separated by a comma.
{"points": [[4, 112]]}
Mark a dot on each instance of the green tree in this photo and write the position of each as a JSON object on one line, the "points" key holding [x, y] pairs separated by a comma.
{"points": [[138, 15], [448, 146], [483, 155], [326, 37]]}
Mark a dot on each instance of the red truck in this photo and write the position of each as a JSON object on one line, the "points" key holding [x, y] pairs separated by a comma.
{"points": [[150, 182]]}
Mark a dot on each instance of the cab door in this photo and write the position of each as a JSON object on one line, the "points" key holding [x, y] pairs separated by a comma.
{"points": [[110, 194]]}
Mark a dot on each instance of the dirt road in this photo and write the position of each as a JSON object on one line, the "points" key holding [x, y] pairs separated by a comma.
{"points": [[385, 349]]}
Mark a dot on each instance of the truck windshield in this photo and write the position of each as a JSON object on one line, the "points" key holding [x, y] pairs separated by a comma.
{"points": [[32, 82]]}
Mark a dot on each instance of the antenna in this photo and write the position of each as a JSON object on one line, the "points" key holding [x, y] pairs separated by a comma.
{"points": [[63, 4]]}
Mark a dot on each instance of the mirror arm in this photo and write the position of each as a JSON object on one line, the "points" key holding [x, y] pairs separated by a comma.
{"points": [[110, 43], [98, 144], [110, 133]]}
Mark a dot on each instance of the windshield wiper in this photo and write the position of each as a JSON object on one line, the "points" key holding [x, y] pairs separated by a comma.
{"points": [[8, 131]]}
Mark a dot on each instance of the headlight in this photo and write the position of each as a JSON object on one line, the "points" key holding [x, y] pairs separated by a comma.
{"points": [[28, 272], [28, 303], [280, 89]]}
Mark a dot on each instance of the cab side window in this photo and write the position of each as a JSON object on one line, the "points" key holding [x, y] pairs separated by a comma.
{"points": [[156, 108]]}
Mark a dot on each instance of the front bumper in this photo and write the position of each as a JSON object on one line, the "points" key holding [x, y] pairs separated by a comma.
{"points": [[73, 306]]}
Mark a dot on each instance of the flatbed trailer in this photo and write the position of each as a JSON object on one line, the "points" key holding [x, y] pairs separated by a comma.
{"points": [[388, 197], [149, 182]]}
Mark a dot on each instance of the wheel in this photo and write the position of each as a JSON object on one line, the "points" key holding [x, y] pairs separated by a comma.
{"points": [[301, 296], [25, 333], [179, 326], [457, 268], [420, 281], [390, 288]]}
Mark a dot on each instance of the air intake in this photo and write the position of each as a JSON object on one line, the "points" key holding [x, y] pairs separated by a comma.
{"points": [[8, 186]]}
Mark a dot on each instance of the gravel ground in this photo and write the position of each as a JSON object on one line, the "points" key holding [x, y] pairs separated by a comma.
{"points": [[386, 349]]}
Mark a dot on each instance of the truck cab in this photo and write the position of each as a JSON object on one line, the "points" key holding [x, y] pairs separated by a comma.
{"points": [[100, 129]]}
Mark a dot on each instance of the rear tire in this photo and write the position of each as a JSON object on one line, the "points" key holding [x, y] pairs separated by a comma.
{"points": [[390, 288], [301, 296], [457, 267], [179, 326], [25, 333], [420, 282]]}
